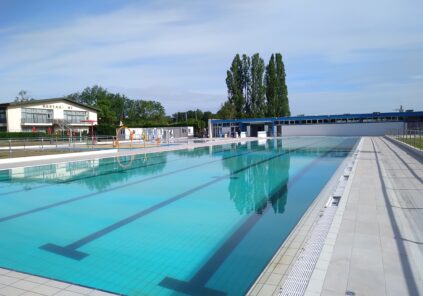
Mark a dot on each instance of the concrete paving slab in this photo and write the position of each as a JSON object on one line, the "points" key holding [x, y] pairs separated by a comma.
{"points": [[379, 247]]}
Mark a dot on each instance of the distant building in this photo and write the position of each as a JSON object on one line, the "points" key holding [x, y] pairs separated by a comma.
{"points": [[365, 124], [152, 133], [49, 115]]}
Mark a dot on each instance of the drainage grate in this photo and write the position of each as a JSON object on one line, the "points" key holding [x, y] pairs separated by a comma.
{"points": [[297, 281], [300, 274]]}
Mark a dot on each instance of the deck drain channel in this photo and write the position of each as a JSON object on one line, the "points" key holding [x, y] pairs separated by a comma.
{"points": [[300, 274]]}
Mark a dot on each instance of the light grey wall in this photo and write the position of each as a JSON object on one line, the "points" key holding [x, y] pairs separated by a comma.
{"points": [[342, 129]]}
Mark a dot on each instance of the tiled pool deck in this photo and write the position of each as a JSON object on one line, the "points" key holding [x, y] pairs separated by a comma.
{"points": [[377, 248], [16, 284]]}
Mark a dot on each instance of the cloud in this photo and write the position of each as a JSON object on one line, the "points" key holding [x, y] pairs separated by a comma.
{"points": [[179, 52]]}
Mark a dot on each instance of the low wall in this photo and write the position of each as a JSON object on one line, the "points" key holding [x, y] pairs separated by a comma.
{"points": [[342, 129]]}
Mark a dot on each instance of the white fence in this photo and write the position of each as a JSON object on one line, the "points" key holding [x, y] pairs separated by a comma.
{"points": [[342, 129]]}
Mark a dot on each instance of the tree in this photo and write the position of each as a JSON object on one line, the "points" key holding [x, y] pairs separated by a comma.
{"points": [[255, 90], [23, 96], [258, 90], [282, 89], [227, 111], [246, 84], [271, 88], [144, 113], [115, 107], [234, 82]]}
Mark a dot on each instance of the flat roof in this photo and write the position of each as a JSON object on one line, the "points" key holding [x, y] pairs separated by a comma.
{"points": [[33, 102], [322, 117]]}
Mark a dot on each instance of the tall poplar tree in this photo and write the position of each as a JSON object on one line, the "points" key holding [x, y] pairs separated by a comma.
{"points": [[246, 84], [271, 88], [252, 95], [282, 90], [234, 82], [258, 90]]}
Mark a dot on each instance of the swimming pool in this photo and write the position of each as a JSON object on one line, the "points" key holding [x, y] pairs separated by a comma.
{"points": [[188, 222]]}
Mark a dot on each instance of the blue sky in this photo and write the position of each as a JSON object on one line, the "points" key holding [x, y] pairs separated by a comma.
{"points": [[360, 56]]}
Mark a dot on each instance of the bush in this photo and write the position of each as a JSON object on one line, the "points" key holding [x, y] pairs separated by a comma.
{"points": [[105, 129]]}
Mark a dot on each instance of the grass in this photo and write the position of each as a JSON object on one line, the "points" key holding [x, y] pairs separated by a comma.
{"points": [[415, 142]]}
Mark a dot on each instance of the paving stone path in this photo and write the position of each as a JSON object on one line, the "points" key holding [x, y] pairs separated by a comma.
{"points": [[379, 247]]}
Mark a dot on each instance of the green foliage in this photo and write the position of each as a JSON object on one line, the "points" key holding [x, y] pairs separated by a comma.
{"points": [[271, 88], [246, 84], [282, 89], [114, 107], [235, 83], [21, 135], [258, 90], [255, 90], [145, 112], [105, 129], [227, 111]]}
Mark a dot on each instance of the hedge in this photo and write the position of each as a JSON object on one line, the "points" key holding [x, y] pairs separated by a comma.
{"points": [[12, 135]]}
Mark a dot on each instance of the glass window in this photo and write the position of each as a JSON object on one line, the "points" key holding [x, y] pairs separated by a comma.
{"points": [[75, 116], [33, 115], [2, 115]]}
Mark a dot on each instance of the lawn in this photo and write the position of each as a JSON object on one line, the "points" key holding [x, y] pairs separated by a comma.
{"points": [[415, 142]]}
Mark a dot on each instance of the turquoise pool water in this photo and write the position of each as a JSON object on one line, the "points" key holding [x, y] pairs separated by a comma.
{"points": [[188, 222]]}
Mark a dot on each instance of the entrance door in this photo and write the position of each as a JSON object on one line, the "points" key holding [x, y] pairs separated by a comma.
{"points": [[279, 130]]}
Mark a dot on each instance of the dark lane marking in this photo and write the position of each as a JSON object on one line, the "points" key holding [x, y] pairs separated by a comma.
{"points": [[405, 263], [71, 251], [106, 173], [197, 284], [60, 203]]}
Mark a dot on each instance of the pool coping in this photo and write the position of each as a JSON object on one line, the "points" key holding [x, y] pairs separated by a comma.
{"points": [[277, 270]]}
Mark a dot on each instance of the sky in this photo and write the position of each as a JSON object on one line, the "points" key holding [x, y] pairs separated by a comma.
{"points": [[340, 56]]}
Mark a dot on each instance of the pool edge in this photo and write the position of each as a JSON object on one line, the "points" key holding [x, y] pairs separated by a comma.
{"points": [[276, 271]]}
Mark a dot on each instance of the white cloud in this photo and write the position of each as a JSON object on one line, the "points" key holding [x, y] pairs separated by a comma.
{"points": [[192, 46]]}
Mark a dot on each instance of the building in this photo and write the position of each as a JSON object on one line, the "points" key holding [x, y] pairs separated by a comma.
{"points": [[50, 116], [152, 133], [366, 124]]}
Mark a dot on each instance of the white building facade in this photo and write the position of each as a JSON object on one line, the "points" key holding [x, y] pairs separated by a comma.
{"points": [[50, 116]]}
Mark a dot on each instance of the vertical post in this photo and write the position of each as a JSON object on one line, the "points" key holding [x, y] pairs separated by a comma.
{"points": [[415, 137], [210, 126], [42, 143], [10, 146]]}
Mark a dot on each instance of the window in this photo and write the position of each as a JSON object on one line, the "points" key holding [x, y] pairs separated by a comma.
{"points": [[33, 115], [75, 116], [2, 115]]}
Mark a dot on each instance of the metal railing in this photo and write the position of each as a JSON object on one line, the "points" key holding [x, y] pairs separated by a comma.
{"points": [[412, 137], [37, 120], [18, 147]]}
